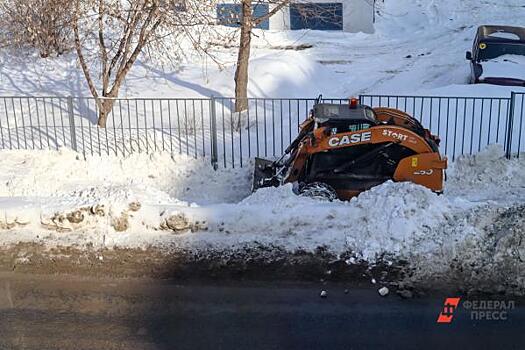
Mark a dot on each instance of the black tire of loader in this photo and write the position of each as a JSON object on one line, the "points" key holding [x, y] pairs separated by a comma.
{"points": [[318, 190]]}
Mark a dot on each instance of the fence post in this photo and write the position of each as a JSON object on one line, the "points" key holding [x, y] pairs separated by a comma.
{"points": [[213, 134], [510, 126], [72, 129]]}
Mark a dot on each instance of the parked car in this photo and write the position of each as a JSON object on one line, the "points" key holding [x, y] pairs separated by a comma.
{"points": [[498, 56]]}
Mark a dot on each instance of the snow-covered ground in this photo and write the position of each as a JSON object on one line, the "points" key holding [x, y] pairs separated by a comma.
{"points": [[60, 198], [57, 198], [418, 47]]}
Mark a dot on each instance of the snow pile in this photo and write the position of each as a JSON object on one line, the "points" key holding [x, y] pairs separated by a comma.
{"points": [[388, 220], [481, 250], [395, 218], [156, 177], [156, 193], [487, 173], [285, 74]]}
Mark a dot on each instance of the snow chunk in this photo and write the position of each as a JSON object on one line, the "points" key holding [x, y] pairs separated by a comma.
{"points": [[383, 291]]}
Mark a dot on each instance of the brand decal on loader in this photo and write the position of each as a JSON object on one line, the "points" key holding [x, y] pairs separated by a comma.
{"points": [[395, 135], [350, 139], [424, 172]]}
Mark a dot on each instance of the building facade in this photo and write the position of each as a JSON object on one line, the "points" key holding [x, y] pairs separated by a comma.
{"points": [[345, 15]]}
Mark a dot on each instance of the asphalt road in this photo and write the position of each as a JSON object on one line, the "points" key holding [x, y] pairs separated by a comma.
{"points": [[45, 312]]}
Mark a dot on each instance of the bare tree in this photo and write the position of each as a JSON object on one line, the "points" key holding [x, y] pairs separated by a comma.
{"points": [[247, 22], [109, 36], [40, 24]]}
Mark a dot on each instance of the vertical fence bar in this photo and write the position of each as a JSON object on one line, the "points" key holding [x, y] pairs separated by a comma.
{"points": [[154, 126], [145, 126], [23, 123], [223, 131], [169, 123], [138, 125], [195, 148], [9, 127], [30, 123], [490, 120], [129, 129], [2, 133], [273, 127], [232, 132], [16, 123], [202, 129], [481, 124], [186, 134], [256, 126], [240, 136], [122, 128], [520, 129], [510, 118], [87, 108], [54, 122], [72, 130], [89, 130], [161, 125], [62, 121], [114, 129], [178, 125], [213, 135]]}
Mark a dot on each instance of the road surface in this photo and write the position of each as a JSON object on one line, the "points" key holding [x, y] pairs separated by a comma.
{"points": [[47, 312]]}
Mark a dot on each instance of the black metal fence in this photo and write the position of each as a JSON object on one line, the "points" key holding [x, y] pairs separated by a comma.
{"points": [[465, 124], [210, 127]]}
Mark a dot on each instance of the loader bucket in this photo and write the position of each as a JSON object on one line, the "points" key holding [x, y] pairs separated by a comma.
{"points": [[263, 174]]}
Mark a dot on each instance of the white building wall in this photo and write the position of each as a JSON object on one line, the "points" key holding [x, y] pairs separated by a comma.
{"points": [[281, 20], [358, 16]]}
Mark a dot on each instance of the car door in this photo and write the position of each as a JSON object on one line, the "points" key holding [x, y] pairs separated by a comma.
{"points": [[475, 67]]}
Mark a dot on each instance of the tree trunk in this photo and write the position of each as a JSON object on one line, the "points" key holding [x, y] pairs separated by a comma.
{"points": [[104, 109], [241, 73]]}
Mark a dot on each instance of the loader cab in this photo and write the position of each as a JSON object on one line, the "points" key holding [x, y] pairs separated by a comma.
{"points": [[365, 172], [344, 117]]}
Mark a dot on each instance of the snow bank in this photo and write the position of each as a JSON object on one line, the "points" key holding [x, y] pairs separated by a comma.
{"points": [[157, 195], [59, 199], [487, 174], [285, 74], [157, 177]]}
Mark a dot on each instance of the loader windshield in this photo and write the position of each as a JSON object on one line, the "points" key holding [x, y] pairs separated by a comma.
{"points": [[326, 113]]}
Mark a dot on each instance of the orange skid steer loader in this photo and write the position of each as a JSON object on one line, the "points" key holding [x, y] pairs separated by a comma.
{"points": [[345, 149]]}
